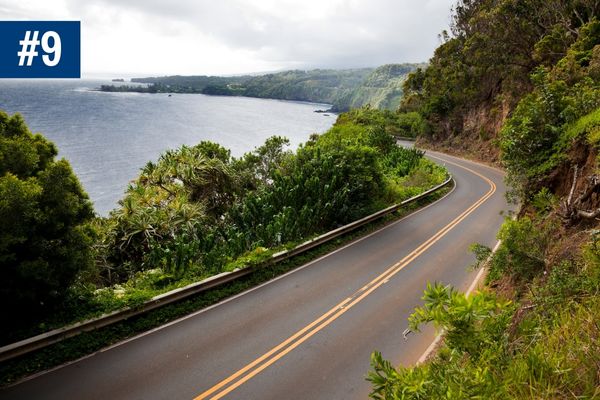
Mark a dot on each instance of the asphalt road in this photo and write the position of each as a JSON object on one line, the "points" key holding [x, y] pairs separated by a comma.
{"points": [[308, 334]]}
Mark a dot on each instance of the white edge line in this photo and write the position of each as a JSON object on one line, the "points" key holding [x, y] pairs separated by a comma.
{"points": [[482, 270], [441, 333], [438, 337], [473, 285], [227, 300]]}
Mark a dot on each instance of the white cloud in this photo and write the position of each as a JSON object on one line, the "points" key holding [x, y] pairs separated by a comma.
{"points": [[141, 37]]}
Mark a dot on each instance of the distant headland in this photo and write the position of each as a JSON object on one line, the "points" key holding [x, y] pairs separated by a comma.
{"points": [[342, 88]]}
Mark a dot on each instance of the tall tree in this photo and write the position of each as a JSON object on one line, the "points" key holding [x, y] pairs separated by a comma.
{"points": [[43, 209]]}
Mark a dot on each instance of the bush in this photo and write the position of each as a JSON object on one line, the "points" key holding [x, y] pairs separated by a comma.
{"points": [[412, 124], [522, 253], [475, 330], [199, 209]]}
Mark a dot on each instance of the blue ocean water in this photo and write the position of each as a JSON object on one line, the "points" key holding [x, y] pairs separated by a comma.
{"points": [[108, 137]]}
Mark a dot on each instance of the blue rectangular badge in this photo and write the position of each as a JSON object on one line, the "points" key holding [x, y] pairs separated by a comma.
{"points": [[40, 49]]}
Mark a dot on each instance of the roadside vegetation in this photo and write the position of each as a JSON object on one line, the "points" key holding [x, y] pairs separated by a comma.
{"points": [[528, 91], [89, 342], [193, 213]]}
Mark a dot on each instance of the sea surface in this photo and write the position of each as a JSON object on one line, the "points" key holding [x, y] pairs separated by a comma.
{"points": [[108, 137]]}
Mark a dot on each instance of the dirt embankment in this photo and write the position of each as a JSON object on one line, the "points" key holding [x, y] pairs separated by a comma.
{"points": [[476, 135]]}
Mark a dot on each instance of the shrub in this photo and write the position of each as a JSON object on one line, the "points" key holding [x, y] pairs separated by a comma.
{"points": [[522, 253], [475, 346]]}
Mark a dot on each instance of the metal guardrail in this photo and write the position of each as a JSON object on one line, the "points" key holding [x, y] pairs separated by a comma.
{"points": [[54, 336]]}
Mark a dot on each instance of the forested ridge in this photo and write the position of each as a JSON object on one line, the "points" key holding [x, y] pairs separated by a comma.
{"points": [[516, 83], [344, 89]]}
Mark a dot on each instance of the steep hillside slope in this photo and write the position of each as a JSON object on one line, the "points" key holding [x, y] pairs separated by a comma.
{"points": [[517, 84], [381, 89], [478, 75]]}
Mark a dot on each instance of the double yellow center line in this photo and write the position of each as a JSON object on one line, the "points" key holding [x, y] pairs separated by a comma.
{"points": [[255, 367]]}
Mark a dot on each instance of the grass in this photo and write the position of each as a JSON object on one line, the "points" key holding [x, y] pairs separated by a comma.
{"points": [[559, 355]]}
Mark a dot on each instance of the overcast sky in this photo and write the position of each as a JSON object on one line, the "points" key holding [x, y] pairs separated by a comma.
{"points": [[220, 37]]}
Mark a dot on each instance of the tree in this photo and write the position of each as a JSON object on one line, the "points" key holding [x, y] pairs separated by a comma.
{"points": [[262, 163], [44, 242]]}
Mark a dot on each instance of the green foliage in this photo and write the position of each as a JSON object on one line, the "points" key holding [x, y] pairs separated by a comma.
{"points": [[546, 346], [171, 200], [259, 167], [523, 251], [543, 57], [546, 122], [575, 65], [407, 124], [407, 172], [44, 243], [587, 127], [556, 360], [402, 383], [551, 47], [543, 201], [470, 323], [482, 254], [344, 89], [381, 89], [436, 91], [475, 335], [322, 189], [559, 359], [205, 180], [174, 256], [258, 256], [412, 124], [560, 351], [543, 127], [490, 49], [22, 153], [499, 52], [213, 150], [498, 350], [197, 210]]}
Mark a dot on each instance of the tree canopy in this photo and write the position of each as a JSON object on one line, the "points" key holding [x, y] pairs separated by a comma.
{"points": [[43, 208]]}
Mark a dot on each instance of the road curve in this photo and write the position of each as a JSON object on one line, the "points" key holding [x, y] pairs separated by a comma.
{"points": [[308, 334]]}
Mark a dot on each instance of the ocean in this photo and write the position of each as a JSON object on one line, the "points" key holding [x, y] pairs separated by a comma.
{"points": [[108, 137]]}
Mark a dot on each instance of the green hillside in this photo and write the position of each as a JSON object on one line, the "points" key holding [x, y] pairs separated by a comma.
{"points": [[343, 89], [516, 83], [381, 89]]}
